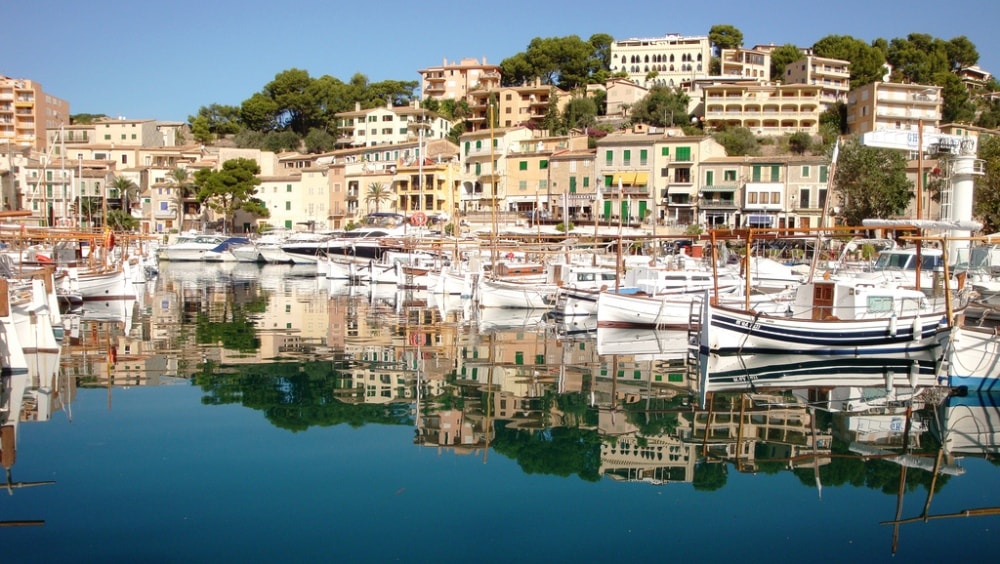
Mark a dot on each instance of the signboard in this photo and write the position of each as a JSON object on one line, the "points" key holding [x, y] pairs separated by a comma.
{"points": [[908, 140]]}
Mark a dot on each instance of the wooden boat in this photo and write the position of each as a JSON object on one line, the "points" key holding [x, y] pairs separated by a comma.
{"points": [[828, 318]]}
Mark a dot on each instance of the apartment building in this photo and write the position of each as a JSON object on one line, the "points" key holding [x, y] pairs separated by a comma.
{"points": [[745, 63], [389, 125], [832, 75], [780, 191], [573, 183], [887, 106], [661, 61], [27, 111], [532, 183], [484, 165], [622, 96], [514, 106], [651, 172], [766, 109], [454, 81]]}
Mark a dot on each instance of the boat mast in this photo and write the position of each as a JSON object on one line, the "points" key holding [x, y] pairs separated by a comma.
{"points": [[826, 211]]}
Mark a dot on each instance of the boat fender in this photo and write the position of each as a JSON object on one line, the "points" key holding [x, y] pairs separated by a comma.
{"points": [[892, 325], [917, 329]]}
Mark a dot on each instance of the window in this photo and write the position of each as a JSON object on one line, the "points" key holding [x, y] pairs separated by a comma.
{"points": [[586, 181], [804, 198], [288, 206], [609, 157], [684, 153], [729, 175], [752, 198], [643, 157], [822, 173], [288, 187], [572, 185], [522, 185], [164, 206], [775, 173], [543, 165], [664, 151], [479, 169], [107, 137], [756, 173], [709, 177], [805, 171], [479, 144], [627, 157], [523, 165]]}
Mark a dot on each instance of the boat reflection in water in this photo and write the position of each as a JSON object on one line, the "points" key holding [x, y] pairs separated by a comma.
{"points": [[405, 395]]}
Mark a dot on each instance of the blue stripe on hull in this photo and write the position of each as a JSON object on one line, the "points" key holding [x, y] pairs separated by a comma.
{"points": [[793, 336]]}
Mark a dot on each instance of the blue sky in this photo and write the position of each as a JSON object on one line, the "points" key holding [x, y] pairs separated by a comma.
{"points": [[164, 60]]}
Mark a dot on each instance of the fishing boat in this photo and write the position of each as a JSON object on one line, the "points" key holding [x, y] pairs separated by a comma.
{"points": [[827, 318], [973, 351]]}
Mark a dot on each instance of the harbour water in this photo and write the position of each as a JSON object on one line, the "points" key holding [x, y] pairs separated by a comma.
{"points": [[258, 413]]}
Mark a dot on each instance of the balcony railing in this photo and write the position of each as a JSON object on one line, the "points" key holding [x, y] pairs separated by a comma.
{"points": [[717, 204]]}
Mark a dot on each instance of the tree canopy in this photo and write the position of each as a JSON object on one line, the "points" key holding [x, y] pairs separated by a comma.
{"points": [[565, 62], [662, 106], [725, 36], [986, 198], [871, 183], [230, 189], [867, 61], [781, 58]]}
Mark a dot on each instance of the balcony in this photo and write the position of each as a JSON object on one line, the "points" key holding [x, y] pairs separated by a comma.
{"points": [[707, 204]]}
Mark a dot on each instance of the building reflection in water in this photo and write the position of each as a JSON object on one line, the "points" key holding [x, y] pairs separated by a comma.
{"points": [[561, 400]]}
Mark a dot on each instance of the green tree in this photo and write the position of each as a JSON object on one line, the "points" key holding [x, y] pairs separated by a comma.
{"points": [[781, 58], [552, 122], [709, 477], [565, 62], [724, 36], [738, 141], [836, 117], [662, 106], [800, 142], [230, 189], [989, 115], [378, 192], [986, 198], [956, 103], [319, 141], [201, 130], [871, 183], [917, 58], [867, 61], [961, 52], [580, 113], [259, 113], [127, 191], [220, 119], [121, 221]]}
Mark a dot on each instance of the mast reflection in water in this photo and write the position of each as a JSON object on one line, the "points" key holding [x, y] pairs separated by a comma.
{"points": [[249, 412]]}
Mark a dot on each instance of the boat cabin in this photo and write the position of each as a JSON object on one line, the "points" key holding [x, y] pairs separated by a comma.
{"points": [[849, 300]]}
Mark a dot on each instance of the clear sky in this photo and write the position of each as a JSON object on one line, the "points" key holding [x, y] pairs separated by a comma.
{"points": [[150, 59]]}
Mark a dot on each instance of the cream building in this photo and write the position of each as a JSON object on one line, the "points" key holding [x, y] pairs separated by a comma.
{"points": [[768, 110], [888, 106], [663, 61], [454, 81], [745, 63], [832, 75], [389, 125]]}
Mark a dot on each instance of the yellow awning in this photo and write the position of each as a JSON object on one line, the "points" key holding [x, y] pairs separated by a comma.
{"points": [[624, 178], [641, 178]]}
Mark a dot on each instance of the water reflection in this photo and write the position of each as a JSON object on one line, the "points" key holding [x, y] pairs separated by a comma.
{"points": [[627, 405]]}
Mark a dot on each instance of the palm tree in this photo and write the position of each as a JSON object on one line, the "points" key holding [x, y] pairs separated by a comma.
{"points": [[127, 190], [181, 180], [378, 193]]}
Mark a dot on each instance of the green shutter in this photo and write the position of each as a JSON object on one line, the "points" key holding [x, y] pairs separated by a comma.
{"points": [[479, 169], [609, 181], [607, 209], [775, 173], [523, 165], [642, 209], [627, 155], [572, 185], [643, 156], [543, 165], [609, 157], [756, 173], [665, 152], [822, 173], [684, 153], [709, 178], [586, 182], [479, 143], [467, 144]]}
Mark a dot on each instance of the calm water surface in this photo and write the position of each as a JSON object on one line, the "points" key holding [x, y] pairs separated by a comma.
{"points": [[260, 414]]}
